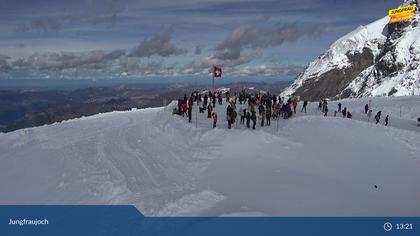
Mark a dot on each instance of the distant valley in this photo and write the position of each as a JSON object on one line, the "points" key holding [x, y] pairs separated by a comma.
{"points": [[30, 108]]}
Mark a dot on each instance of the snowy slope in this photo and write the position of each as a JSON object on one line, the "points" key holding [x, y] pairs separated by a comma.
{"points": [[165, 166], [388, 63]]}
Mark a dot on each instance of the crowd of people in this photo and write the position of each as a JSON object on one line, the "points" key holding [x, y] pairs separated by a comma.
{"points": [[253, 107], [256, 108]]}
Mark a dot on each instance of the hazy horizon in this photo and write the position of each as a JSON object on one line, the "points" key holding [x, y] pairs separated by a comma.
{"points": [[174, 39]]}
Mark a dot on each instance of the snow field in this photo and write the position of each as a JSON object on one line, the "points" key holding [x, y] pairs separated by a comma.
{"points": [[311, 166]]}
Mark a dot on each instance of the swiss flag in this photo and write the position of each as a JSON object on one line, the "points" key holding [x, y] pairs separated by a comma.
{"points": [[217, 71]]}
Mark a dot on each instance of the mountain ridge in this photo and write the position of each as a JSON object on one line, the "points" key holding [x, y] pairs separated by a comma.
{"points": [[378, 59]]}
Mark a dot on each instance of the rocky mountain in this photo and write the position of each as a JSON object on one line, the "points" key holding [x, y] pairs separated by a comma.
{"points": [[379, 59]]}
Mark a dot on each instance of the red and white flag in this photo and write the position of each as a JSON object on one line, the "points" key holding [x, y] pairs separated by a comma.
{"points": [[217, 71]]}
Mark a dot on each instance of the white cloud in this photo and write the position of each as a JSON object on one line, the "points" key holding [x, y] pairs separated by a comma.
{"points": [[159, 44], [267, 70], [254, 36]]}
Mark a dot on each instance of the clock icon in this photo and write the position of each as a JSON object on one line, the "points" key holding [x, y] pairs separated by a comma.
{"points": [[387, 226]]}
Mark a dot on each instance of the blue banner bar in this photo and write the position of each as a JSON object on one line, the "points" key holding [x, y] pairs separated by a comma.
{"points": [[127, 220]]}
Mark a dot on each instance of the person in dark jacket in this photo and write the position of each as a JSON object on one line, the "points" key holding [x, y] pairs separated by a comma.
{"points": [[386, 120], [242, 113], [418, 120], [366, 108], [324, 105], [190, 105], [206, 99], [378, 116], [254, 119], [189, 114], [233, 116], [344, 112], [326, 110], [248, 119], [339, 107], [305, 104], [260, 109], [229, 116], [349, 115], [268, 116]]}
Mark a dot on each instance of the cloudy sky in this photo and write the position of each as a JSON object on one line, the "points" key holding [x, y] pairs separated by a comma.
{"points": [[174, 37]]}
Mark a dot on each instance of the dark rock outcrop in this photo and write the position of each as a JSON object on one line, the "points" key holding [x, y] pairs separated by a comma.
{"points": [[333, 82]]}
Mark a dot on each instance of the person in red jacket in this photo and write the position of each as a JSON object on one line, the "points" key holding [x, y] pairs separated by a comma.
{"points": [[184, 108]]}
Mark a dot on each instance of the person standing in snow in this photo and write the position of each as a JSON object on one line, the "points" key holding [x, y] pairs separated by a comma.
{"points": [[252, 107], [206, 98], [245, 111], [378, 116], [268, 115], [319, 106], [214, 119], [248, 119], [386, 120], [295, 103], [184, 108], [229, 111], [369, 114], [349, 115], [260, 109], [305, 104], [326, 110], [339, 107], [344, 112], [254, 119], [262, 114], [324, 105], [418, 120], [242, 114], [190, 105], [366, 108], [233, 117], [199, 104], [209, 111], [189, 114]]}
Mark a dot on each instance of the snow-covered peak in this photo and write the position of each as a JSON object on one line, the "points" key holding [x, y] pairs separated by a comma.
{"points": [[355, 41], [373, 60]]}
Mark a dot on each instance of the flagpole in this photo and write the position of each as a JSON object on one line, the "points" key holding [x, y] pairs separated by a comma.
{"points": [[213, 80]]}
